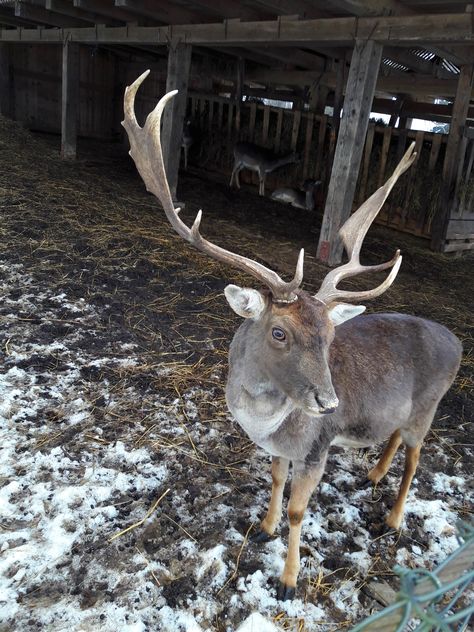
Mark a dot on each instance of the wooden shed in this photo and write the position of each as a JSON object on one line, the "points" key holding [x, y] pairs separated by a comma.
{"points": [[64, 65]]}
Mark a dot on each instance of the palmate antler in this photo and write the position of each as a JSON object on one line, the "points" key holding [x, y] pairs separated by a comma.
{"points": [[145, 149]]}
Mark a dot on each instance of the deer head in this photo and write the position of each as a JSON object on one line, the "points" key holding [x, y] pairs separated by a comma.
{"points": [[292, 330]]}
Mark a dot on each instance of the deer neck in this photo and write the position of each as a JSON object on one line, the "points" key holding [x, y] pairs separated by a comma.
{"points": [[280, 162], [309, 201], [253, 399]]}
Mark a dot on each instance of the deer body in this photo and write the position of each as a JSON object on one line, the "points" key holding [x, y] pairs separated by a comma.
{"points": [[388, 371], [299, 199], [259, 159], [373, 378], [307, 372]]}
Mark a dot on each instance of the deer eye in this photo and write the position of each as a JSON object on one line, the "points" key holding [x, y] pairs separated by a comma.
{"points": [[278, 334]]}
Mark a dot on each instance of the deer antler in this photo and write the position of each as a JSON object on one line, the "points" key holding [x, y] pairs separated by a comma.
{"points": [[145, 149], [353, 233]]}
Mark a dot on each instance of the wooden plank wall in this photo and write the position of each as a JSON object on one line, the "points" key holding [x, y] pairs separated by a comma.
{"points": [[413, 203], [411, 206], [460, 229], [222, 122], [37, 90]]}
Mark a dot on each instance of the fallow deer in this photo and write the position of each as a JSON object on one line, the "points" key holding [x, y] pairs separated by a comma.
{"points": [[259, 159], [299, 199], [307, 372]]}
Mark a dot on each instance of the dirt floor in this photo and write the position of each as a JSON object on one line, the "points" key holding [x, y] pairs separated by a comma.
{"points": [[114, 346]]}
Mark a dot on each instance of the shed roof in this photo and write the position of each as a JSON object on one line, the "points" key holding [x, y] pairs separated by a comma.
{"points": [[286, 43]]}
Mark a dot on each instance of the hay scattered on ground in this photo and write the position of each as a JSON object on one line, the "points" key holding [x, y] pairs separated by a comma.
{"points": [[110, 306]]}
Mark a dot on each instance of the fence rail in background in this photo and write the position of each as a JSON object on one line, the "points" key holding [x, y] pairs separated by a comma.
{"points": [[413, 204]]}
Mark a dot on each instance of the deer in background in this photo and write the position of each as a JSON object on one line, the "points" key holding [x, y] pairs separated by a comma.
{"points": [[259, 159], [299, 199], [310, 371]]}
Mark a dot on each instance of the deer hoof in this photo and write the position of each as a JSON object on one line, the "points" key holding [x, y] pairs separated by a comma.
{"points": [[284, 592], [387, 530], [260, 537]]}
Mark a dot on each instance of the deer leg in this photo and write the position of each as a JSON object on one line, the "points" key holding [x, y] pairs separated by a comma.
{"points": [[412, 457], [302, 486], [271, 520], [234, 178], [261, 188], [186, 158], [378, 472], [233, 175]]}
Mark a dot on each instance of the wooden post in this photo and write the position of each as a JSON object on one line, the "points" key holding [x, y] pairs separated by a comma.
{"points": [[318, 98], [69, 100], [360, 90], [452, 155], [179, 61], [5, 80], [339, 65], [239, 80]]}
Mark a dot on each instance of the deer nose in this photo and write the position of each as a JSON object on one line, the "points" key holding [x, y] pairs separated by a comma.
{"points": [[328, 405]]}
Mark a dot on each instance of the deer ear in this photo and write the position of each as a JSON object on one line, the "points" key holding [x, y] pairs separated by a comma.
{"points": [[244, 301], [342, 312]]}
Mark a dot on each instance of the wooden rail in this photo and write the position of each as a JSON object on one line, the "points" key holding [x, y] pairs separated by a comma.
{"points": [[412, 205]]}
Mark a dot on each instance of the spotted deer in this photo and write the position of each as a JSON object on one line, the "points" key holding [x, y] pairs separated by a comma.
{"points": [[259, 159], [310, 371]]}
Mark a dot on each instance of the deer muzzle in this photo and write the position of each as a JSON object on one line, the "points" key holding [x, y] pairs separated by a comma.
{"points": [[319, 403], [327, 405]]}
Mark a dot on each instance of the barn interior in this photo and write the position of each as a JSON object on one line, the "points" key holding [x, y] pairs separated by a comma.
{"points": [[339, 83], [129, 493]]}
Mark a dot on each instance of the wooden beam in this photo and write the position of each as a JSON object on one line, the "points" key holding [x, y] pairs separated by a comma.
{"points": [[369, 7], [7, 17], [452, 156], [104, 9], [5, 81], [65, 8], [360, 91], [167, 12], [395, 84], [373, 8], [69, 100], [294, 57], [410, 30], [179, 62], [232, 9], [302, 8], [38, 14]]}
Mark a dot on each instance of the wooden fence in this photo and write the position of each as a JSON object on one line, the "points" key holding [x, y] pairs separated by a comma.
{"points": [[411, 206], [460, 228], [36, 90]]}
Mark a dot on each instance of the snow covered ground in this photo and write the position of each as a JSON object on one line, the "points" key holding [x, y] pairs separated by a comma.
{"points": [[74, 474]]}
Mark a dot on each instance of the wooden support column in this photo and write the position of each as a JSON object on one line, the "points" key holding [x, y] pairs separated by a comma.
{"points": [[69, 100], [318, 98], [452, 156], [179, 62], [360, 90], [5, 81], [239, 80]]}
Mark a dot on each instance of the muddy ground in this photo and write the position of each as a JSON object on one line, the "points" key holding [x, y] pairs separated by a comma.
{"points": [[114, 339]]}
